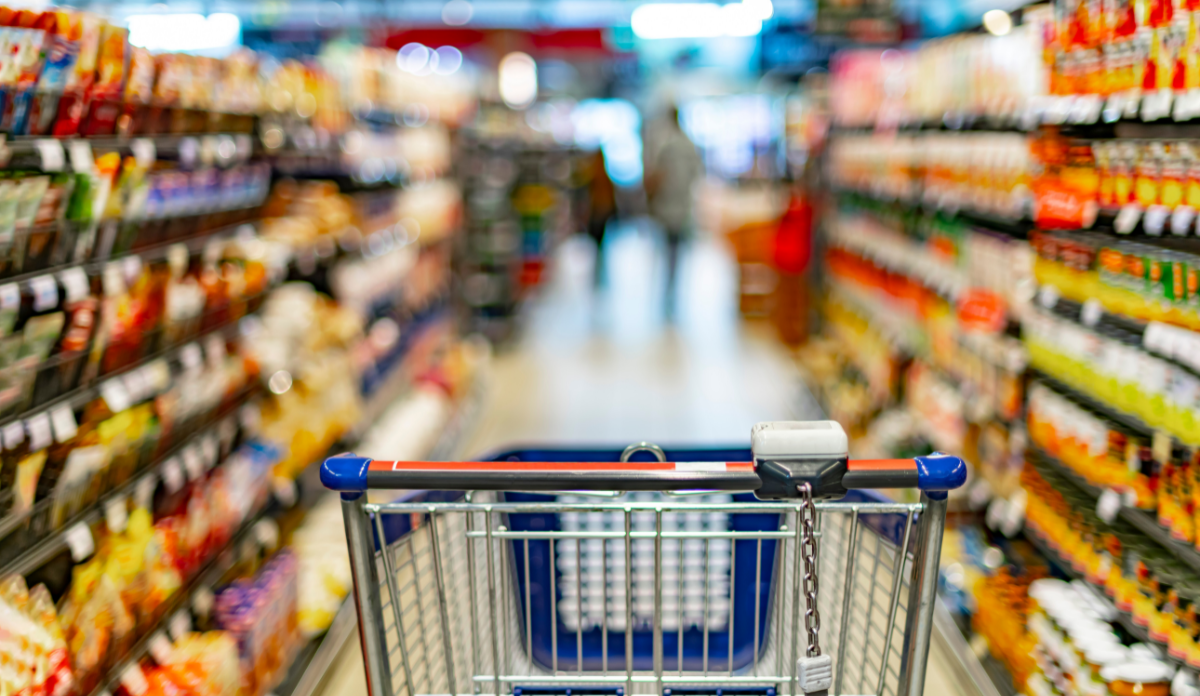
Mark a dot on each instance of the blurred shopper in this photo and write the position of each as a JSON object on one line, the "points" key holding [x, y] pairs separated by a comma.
{"points": [[674, 168], [602, 207]]}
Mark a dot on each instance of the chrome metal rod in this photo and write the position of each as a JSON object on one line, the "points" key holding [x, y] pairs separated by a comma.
{"points": [[847, 593], [658, 632], [757, 596], [707, 573], [897, 583], [528, 607], [779, 596], [618, 679], [756, 507], [732, 597], [679, 610], [578, 608], [473, 605], [635, 535], [366, 598], [507, 605], [443, 604], [553, 610], [419, 605], [604, 597], [871, 585], [922, 596], [491, 575], [628, 601], [389, 567], [796, 573]]}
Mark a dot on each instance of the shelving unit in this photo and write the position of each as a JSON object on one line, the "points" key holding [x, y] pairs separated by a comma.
{"points": [[310, 667], [993, 162]]}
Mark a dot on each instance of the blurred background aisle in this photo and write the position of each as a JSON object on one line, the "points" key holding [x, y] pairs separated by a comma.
{"points": [[604, 366]]}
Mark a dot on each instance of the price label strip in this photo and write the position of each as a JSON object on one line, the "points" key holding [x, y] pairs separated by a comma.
{"points": [[1092, 312], [80, 542], [38, 427], [75, 282], [180, 624], [172, 474], [63, 420], [1108, 505], [193, 462], [134, 680], [143, 495], [45, 293], [115, 395], [116, 514], [160, 648], [51, 152], [13, 435], [82, 160]]}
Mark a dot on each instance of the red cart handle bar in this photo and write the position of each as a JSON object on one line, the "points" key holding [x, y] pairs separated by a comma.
{"points": [[769, 479]]}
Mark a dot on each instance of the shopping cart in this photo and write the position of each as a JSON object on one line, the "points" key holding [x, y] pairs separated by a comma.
{"points": [[590, 572]]}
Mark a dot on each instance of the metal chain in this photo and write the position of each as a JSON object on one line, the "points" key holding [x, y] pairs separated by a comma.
{"points": [[808, 553]]}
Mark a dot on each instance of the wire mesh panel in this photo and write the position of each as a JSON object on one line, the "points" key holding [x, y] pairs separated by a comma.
{"points": [[643, 593]]}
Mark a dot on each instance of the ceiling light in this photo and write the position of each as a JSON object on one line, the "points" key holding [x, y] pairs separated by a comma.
{"points": [[518, 80], [997, 22], [449, 60], [457, 12], [185, 32], [697, 20], [413, 57]]}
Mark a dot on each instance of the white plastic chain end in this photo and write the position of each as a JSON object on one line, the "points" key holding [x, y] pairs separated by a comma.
{"points": [[815, 674]]}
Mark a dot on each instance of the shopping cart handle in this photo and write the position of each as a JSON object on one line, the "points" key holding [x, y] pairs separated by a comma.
{"points": [[350, 475], [830, 477], [936, 474]]}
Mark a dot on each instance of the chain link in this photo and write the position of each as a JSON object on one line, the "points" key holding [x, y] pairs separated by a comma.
{"points": [[808, 554]]}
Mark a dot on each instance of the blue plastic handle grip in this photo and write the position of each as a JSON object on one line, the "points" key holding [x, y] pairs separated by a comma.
{"points": [[938, 474]]}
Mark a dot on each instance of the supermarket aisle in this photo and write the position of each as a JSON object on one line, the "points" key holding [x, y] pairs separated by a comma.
{"points": [[607, 369]]}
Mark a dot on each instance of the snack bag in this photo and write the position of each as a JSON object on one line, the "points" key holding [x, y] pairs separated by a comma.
{"points": [[86, 29], [27, 36], [110, 62], [59, 679], [1149, 174], [163, 577], [1174, 177], [60, 53], [140, 86], [173, 78]]}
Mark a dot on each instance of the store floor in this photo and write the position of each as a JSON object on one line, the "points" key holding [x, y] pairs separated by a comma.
{"points": [[607, 368]]}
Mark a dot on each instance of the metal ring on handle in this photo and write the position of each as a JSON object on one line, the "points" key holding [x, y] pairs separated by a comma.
{"points": [[661, 456], [643, 447], [625, 455]]}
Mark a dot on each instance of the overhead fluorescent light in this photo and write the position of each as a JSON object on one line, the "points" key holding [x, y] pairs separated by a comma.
{"points": [[997, 22], [185, 32], [685, 20], [518, 80], [457, 12]]}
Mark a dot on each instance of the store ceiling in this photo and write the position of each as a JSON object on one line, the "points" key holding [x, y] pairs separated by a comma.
{"points": [[521, 14]]}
